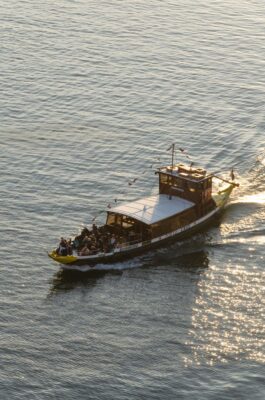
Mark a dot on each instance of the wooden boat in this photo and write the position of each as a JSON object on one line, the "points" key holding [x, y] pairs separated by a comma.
{"points": [[185, 204]]}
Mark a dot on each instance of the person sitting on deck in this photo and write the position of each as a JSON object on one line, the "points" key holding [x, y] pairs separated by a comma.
{"points": [[131, 236], [84, 232], [113, 241], [85, 251], [69, 247], [86, 241], [62, 249], [120, 242], [95, 230], [76, 242]]}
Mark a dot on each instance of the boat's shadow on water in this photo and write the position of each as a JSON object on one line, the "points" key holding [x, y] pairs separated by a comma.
{"points": [[64, 280], [190, 260]]}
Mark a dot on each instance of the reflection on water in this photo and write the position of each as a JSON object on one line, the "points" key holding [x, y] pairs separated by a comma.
{"points": [[229, 311], [228, 315], [194, 261], [68, 280], [191, 261]]}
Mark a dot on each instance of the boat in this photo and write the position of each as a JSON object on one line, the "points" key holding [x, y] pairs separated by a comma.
{"points": [[187, 201]]}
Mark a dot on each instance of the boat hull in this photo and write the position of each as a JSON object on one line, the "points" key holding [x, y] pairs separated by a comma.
{"points": [[71, 262]]}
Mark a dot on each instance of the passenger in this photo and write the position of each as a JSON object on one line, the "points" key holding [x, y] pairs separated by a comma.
{"points": [[93, 250], [76, 242], [106, 247], [85, 232], [69, 247], [95, 229], [86, 240], [62, 249], [85, 251], [101, 230], [120, 242], [100, 244], [93, 238], [113, 241], [131, 236]]}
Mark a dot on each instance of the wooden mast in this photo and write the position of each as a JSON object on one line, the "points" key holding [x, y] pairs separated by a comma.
{"points": [[173, 150]]}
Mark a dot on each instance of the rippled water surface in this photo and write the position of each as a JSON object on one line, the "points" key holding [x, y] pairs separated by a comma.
{"points": [[92, 95]]}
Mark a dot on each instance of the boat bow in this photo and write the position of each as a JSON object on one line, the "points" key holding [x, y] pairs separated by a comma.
{"points": [[62, 259]]}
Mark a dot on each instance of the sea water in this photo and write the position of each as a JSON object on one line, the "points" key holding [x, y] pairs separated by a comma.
{"points": [[93, 93]]}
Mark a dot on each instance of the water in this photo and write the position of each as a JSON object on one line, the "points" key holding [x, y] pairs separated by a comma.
{"points": [[92, 94]]}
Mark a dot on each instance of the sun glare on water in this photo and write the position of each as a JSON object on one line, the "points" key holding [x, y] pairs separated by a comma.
{"points": [[258, 198], [227, 317]]}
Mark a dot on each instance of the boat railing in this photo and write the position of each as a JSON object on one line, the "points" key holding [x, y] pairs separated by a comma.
{"points": [[117, 247], [129, 244]]}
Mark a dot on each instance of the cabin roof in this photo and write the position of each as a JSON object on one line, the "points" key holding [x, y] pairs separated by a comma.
{"points": [[152, 209], [185, 172]]}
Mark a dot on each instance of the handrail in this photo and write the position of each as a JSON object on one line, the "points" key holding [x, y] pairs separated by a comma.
{"points": [[121, 246], [225, 180], [128, 244]]}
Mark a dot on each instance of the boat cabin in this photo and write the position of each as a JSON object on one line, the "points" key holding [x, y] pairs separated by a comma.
{"points": [[189, 183], [185, 194], [150, 217]]}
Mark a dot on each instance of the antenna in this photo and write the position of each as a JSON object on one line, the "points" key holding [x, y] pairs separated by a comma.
{"points": [[173, 150]]}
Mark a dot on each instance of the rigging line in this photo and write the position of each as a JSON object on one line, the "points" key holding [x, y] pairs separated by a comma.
{"points": [[124, 190], [174, 152]]}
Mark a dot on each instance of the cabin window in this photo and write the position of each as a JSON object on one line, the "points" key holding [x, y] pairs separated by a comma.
{"points": [[192, 186], [114, 219], [127, 222], [111, 219], [173, 223], [163, 178], [178, 183], [118, 220]]}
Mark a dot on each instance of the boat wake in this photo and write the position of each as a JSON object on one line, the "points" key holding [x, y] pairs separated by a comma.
{"points": [[257, 198], [247, 237], [118, 266]]}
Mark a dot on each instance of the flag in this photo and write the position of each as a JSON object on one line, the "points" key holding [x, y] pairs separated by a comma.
{"points": [[170, 147], [232, 175], [184, 151]]}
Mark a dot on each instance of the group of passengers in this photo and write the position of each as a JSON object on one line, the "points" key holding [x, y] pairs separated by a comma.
{"points": [[91, 242]]}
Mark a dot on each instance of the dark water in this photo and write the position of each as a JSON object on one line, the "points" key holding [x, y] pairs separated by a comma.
{"points": [[92, 93]]}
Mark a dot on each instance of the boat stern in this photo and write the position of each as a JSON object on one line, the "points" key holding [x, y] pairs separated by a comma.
{"points": [[222, 196]]}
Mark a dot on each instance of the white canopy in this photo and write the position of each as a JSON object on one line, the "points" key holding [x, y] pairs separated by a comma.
{"points": [[150, 210]]}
